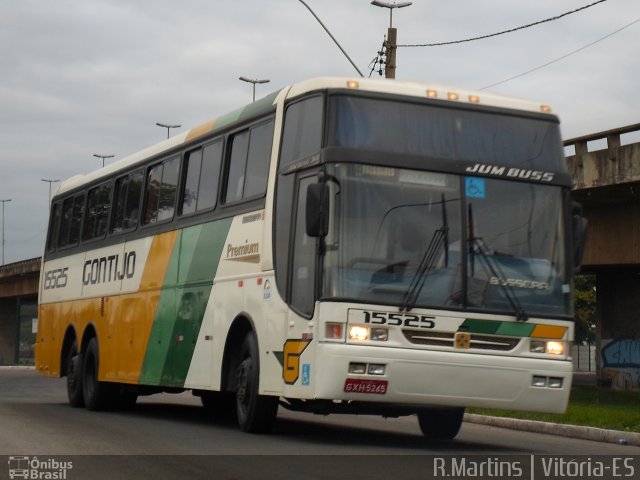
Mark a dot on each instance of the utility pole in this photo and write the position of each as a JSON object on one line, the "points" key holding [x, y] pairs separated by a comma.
{"points": [[391, 44], [3, 202]]}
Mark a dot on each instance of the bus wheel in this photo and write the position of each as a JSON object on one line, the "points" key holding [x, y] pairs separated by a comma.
{"points": [[97, 395], [440, 423], [255, 413], [74, 376]]}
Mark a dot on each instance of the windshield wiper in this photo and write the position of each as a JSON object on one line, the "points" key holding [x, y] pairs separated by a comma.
{"points": [[478, 246], [439, 238]]}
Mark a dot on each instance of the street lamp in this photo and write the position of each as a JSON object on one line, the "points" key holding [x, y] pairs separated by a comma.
{"points": [[168, 126], [253, 81], [392, 37], [103, 157], [3, 202], [49, 181]]}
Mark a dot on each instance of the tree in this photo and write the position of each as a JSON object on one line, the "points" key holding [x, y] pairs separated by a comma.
{"points": [[585, 308]]}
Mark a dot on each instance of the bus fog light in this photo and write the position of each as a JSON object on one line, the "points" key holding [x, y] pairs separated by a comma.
{"points": [[333, 330], [358, 333], [555, 382], [538, 346], [537, 381], [376, 369], [358, 368], [379, 334]]}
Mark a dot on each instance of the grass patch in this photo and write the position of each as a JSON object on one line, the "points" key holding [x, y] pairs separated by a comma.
{"points": [[590, 406]]}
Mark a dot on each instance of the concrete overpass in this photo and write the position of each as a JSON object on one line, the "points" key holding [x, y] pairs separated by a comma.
{"points": [[607, 184], [18, 308]]}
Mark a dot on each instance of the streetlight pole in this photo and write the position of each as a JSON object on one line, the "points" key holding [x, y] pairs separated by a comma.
{"points": [[103, 157], [49, 181], [253, 81], [168, 126], [392, 37], [3, 202]]}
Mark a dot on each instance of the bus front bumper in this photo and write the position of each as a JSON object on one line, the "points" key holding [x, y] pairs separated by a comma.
{"points": [[437, 378]]}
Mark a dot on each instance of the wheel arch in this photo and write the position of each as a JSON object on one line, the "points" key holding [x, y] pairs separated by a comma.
{"points": [[89, 333], [240, 326]]}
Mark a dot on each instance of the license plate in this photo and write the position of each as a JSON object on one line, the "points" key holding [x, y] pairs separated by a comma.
{"points": [[357, 385]]}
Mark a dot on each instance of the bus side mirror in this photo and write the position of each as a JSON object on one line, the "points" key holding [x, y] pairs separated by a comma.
{"points": [[317, 212], [579, 232]]}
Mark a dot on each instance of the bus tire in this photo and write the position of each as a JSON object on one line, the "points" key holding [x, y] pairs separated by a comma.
{"points": [[255, 413], [97, 395], [74, 376], [440, 423]]}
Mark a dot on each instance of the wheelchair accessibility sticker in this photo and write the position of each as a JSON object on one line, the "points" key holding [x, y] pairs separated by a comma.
{"points": [[475, 187]]}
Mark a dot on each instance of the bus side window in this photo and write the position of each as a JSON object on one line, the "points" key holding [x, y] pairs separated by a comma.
{"points": [[193, 165], [258, 158], [126, 202], [249, 162], [237, 166], [202, 172], [160, 196], [54, 225], [70, 221], [98, 207]]}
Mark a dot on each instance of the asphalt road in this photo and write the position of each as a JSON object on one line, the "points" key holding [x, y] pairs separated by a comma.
{"points": [[171, 436]]}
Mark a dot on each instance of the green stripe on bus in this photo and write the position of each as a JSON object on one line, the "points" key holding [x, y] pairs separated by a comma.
{"points": [[496, 327], [183, 301], [253, 109], [471, 325]]}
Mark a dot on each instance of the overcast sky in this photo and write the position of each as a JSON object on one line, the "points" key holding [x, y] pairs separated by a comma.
{"points": [[80, 77]]}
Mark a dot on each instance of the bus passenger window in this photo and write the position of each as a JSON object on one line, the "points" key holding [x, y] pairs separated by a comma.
{"points": [[209, 176], [201, 179], [162, 183], [168, 189], [98, 206], [72, 209], [249, 163], [53, 227], [193, 164], [127, 202], [237, 167], [258, 160]]}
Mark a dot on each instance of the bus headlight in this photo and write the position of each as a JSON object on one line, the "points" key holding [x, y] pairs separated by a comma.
{"points": [[356, 332], [555, 348], [360, 333], [552, 347]]}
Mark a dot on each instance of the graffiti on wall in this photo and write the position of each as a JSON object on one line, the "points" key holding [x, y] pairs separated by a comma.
{"points": [[621, 364]]}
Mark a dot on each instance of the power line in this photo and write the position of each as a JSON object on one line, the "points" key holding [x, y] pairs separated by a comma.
{"points": [[562, 57], [551, 19]]}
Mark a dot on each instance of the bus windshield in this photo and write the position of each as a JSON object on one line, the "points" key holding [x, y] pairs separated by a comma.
{"points": [[426, 239]]}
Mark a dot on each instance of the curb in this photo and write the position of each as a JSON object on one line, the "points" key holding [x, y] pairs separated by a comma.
{"points": [[572, 431]]}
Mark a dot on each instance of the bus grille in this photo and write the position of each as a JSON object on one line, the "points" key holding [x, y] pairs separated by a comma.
{"points": [[446, 339]]}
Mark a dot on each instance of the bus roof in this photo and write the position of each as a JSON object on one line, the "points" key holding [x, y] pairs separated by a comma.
{"points": [[444, 93]]}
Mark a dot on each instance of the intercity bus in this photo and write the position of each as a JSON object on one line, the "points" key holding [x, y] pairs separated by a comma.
{"points": [[339, 246]]}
